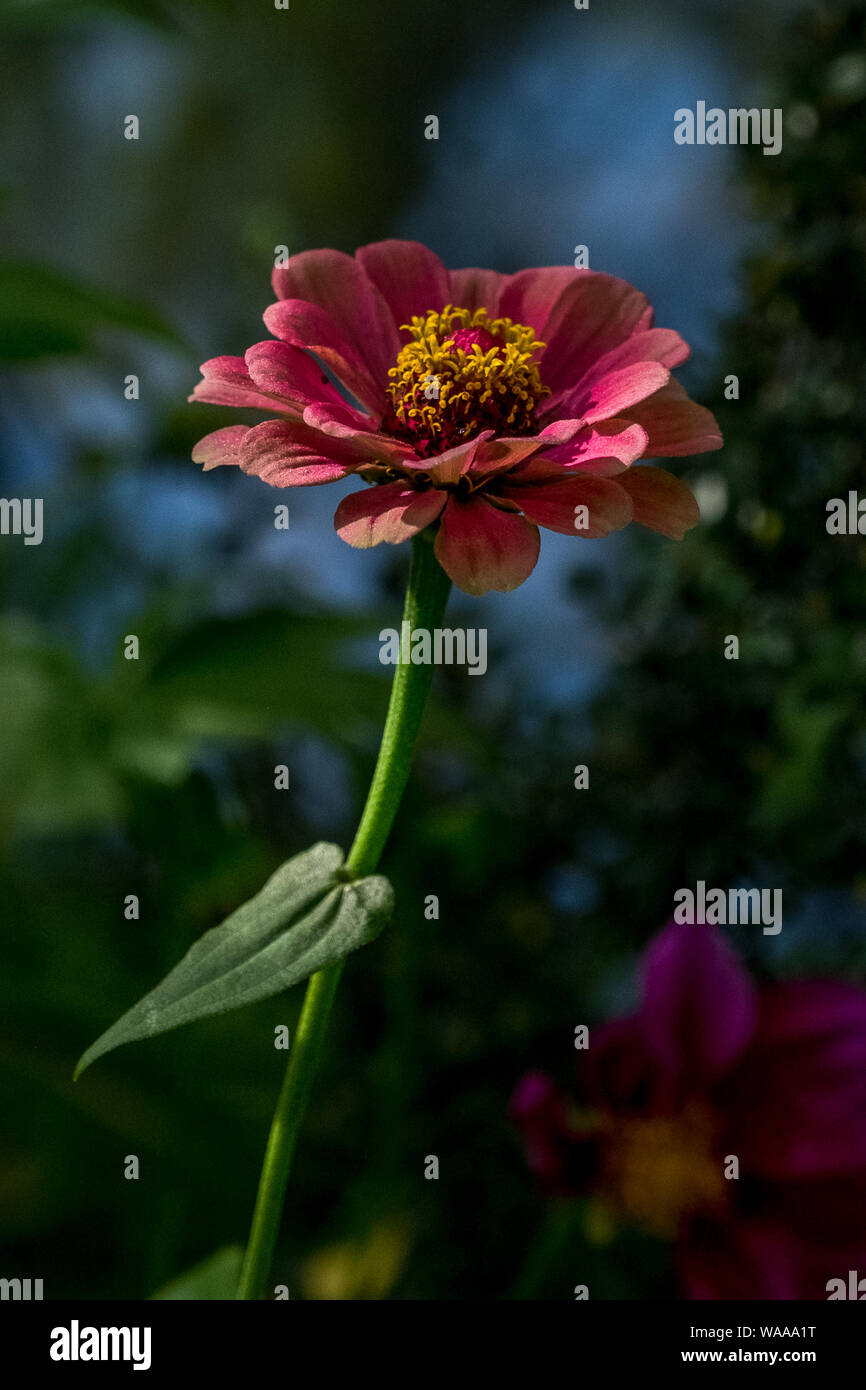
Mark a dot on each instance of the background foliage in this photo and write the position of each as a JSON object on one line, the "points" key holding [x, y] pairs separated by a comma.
{"points": [[156, 777]]}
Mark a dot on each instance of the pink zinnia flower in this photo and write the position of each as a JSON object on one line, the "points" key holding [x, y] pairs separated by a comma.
{"points": [[713, 1066], [484, 404]]}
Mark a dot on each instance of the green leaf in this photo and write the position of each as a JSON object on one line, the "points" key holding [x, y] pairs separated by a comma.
{"points": [[24, 16], [302, 920], [44, 311], [247, 675], [52, 715], [214, 1278]]}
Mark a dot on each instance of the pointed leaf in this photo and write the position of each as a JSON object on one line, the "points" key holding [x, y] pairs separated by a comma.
{"points": [[44, 311], [302, 920], [214, 1278]]}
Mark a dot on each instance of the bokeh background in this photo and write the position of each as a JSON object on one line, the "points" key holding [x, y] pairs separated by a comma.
{"points": [[305, 127]]}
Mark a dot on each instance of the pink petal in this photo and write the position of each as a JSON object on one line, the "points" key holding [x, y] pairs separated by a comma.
{"points": [[287, 453], [531, 295], [552, 504], [482, 548], [341, 422], [653, 345], [219, 447], [307, 326], [610, 394], [552, 1144], [747, 1259], [675, 424], [447, 467], [618, 1073], [502, 455], [700, 1007], [390, 512], [226, 381], [477, 289], [660, 345], [798, 1098], [410, 278], [579, 314], [561, 431], [291, 374], [606, 448], [660, 501], [336, 284]]}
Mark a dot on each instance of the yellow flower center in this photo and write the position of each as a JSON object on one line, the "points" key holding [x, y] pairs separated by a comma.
{"points": [[462, 373], [661, 1170]]}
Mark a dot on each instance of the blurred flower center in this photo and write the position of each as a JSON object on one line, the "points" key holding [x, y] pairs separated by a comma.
{"points": [[464, 372], [660, 1171]]}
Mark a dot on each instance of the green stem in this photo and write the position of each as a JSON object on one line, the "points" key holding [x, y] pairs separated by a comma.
{"points": [[426, 598]]}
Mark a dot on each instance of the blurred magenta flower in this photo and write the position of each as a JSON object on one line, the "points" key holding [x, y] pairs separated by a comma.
{"points": [[714, 1066], [486, 404]]}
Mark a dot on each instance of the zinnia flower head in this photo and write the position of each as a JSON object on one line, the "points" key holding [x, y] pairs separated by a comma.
{"points": [[481, 404], [713, 1067]]}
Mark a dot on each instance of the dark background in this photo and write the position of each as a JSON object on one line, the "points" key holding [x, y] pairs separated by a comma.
{"points": [[258, 647]]}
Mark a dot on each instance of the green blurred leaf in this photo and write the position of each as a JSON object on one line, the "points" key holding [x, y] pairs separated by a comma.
{"points": [[807, 729], [245, 676], [52, 738], [302, 920], [215, 1278], [43, 311], [250, 676], [74, 745], [23, 15]]}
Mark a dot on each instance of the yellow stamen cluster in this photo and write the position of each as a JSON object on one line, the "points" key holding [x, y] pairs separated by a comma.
{"points": [[661, 1170], [444, 391]]}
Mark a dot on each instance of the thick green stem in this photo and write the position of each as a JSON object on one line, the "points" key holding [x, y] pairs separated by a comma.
{"points": [[285, 1127], [426, 598]]}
